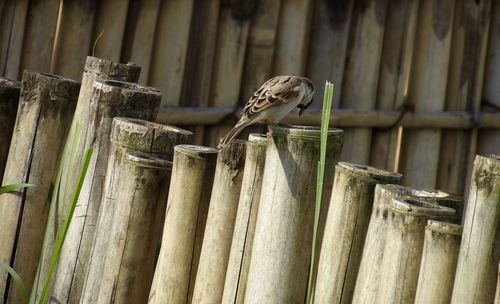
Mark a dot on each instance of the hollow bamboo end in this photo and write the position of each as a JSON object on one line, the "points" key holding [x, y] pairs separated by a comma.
{"points": [[444, 227], [196, 151], [150, 160], [363, 171], [9, 89], [418, 207], [306, 132], [122, 71], [112, 84], [257, 138]]}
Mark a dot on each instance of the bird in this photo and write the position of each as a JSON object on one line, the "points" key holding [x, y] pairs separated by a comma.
{"points": [[272, 102]]}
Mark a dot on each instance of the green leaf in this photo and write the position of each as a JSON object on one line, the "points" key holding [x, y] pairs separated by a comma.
{"points": [[17, 280], [14, 187]]}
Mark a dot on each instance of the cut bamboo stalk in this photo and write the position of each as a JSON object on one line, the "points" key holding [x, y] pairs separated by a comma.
{"points": [[365, 50], [220, 222], [127, 134], [427, 91], [44, 115], [246, 217], [345, 230], [9, 98], [134, 238], [279, 263], [480, 250], [439, 263], [193, 168], [497, 296], [402, 254], [110, 99], [368, 280]]}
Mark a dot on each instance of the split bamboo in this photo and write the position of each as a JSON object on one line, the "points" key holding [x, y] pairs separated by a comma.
{"points": [[45, 109], [110, 99], [279, 263], [246, 217], [214, 254], [439, 262], [193, 167], [402, 254], [134, 232], [9, 98], [368, 280], [127, 134], [345, 230], [480, 250]]}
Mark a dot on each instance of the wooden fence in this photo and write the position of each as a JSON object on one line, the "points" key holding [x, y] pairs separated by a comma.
{"points": [[416, 81]]}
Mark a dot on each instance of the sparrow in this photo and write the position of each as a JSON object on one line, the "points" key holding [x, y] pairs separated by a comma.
{"points": [[272, 102]]}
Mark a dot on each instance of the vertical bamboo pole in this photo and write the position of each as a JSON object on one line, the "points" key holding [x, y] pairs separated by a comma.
{"points": [[279, 263], [368, 280], [193, 168], [439, 262], [246, 217], [44, 114], [480, 250], [9, 98], [111, 98], [16, 39], [136, 227], [345, 230], [427, 90], [127, 134], [497, 295], [364, 49], [402, 254], [220, 224]]}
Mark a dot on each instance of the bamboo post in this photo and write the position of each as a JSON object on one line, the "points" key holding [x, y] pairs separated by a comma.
{"points": [[193, 168], [246, 217], [135, 233], [497, 295], [220, 222], [480, 250], [368, 279], [402, 254], [345, 230], [110, 99], [43, 118], [9, 97], [279, 263], [439, 262], [127, 134]]}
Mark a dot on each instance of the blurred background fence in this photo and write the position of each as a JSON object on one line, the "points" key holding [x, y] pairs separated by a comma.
{"points": [[416, 82]]}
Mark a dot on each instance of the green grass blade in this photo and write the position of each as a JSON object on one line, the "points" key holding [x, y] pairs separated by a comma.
{"points": [[325, 122], [17, 280], [14, 187]]}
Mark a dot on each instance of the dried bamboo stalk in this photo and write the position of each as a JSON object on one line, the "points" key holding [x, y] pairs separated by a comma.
{"points": [[345, 230], [193, 168], [439, 262], [497, 295], [402, 254], [43, 118], [279, 263], [214, 254], [480, 250], [9, 98]]}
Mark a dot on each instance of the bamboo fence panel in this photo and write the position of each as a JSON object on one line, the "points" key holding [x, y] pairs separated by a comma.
{"points": [[43, 119], [9, 99], [15, 41], [365, 50]]}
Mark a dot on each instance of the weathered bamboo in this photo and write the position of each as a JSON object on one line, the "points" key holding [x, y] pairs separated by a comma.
{"points": [[110, 99], [497, 295], [214, 254], [135, 235], [345, 230], [439, 262], [402, 254], [9, 98], [368, 278], [279, 263], [193, 168], [246, 217], [480, 250], [44, 115], [15, 39], [127, 134]]}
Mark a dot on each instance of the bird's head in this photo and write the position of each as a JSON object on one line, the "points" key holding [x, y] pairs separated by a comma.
{"points": [[308, 95]]}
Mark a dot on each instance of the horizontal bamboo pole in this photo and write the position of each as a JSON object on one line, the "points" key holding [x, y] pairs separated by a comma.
{"points": [[403, 250], [9, 98], [439, 263], [480, 250], [127, 134], [345, 230], [344, 118], [193, 167]]}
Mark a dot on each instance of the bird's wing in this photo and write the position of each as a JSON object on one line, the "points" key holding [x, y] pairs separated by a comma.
{"points": [[277, 90]]}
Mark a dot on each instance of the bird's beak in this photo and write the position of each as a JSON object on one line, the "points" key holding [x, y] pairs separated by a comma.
{"points": [[302, 108]]}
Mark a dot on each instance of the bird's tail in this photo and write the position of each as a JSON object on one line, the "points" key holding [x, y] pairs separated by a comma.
{"points": [[231, 135]]}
